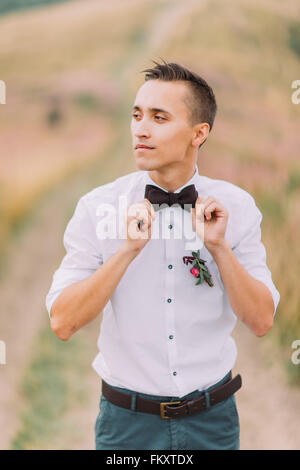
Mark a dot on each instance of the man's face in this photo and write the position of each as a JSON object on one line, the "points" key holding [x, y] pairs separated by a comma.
{"points": [[168, 131]]}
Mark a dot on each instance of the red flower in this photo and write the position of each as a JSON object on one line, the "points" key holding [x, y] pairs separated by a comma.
{"points": [[195, 272], [199, 270]]}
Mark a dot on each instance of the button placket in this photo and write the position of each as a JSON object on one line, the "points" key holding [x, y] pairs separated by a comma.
{"points": [[171, 304]]}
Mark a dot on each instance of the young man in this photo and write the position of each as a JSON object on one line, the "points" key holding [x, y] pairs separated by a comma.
{"points": [[166, 352]]}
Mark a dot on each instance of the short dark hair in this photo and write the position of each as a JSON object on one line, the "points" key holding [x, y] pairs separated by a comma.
{"points": [[201, 101]]}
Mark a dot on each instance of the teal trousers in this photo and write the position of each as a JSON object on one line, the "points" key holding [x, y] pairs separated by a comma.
{"points": [[215, 428]]}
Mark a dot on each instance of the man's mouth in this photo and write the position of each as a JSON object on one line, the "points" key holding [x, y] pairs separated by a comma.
{"points": [[143, 147]]}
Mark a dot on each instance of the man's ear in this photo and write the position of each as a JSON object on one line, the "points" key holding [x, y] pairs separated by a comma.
{"points": [[201, 132]]}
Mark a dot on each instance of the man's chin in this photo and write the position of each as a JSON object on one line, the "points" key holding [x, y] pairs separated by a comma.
{"points": [[146, 165]]}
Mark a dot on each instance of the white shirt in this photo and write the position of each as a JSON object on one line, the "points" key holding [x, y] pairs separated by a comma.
{"points": [[161, 334]]}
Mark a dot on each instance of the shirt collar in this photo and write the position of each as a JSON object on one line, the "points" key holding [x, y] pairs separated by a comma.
{"points": [[192, 180]]}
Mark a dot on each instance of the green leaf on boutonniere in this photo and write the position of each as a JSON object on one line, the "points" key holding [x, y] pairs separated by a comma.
{"points": [[208, 279], [204, 268], [199, 265]]}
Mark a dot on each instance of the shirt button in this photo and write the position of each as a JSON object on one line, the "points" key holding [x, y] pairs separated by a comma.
{"points": [[170, 226], [174, 373], [170, 266], [171, 337], [169, 300]]}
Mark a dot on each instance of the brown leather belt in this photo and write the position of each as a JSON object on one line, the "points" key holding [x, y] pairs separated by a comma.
{"points": [[173, 409]]}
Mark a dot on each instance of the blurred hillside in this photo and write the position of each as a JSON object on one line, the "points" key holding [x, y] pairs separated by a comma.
{"points": [[72, 71]]}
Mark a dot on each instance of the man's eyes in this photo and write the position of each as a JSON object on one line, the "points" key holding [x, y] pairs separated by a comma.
{"points": [[157, 117]]}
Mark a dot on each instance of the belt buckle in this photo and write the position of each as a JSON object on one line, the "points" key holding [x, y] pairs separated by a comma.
{"points": [[162, 408]]}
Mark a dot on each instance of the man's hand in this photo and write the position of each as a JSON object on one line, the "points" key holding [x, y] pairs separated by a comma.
{"points": [[209, 219], [138, 224]]}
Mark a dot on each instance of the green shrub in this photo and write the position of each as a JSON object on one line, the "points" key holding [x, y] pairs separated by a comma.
{"points": [[294, 38]]}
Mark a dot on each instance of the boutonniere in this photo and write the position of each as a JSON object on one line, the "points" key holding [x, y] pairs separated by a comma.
{"points": [[198, 270]]}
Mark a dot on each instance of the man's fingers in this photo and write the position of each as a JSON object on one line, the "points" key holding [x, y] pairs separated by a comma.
{"points": [[139, 218], [142, 208], [138, 211], [199, 211], [142, 213], [150, 207], [209, 209]]}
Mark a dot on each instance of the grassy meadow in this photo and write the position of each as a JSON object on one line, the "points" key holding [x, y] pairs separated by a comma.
{"points": [[72, 70]]}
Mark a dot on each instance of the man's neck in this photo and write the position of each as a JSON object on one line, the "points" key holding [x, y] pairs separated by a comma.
{"points": [[170, 180]]}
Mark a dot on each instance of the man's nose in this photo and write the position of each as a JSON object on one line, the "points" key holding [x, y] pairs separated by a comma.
{"points": [[141, 129]]}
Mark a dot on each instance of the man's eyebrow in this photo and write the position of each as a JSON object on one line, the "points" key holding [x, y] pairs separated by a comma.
{"points": [[153, 110]]}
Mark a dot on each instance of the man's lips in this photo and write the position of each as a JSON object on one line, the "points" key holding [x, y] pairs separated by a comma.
{"points": [[145, 147]]}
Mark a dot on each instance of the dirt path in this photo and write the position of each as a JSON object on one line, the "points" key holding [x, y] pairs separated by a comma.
{"points": [[31, 258], [267, 406]]}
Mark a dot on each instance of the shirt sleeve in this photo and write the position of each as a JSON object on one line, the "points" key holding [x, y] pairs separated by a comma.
{"points": [[82, 256], [250, 250]]}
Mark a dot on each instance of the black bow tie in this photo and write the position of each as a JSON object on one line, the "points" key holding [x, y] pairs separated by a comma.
{"points": [[187, 195]]}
